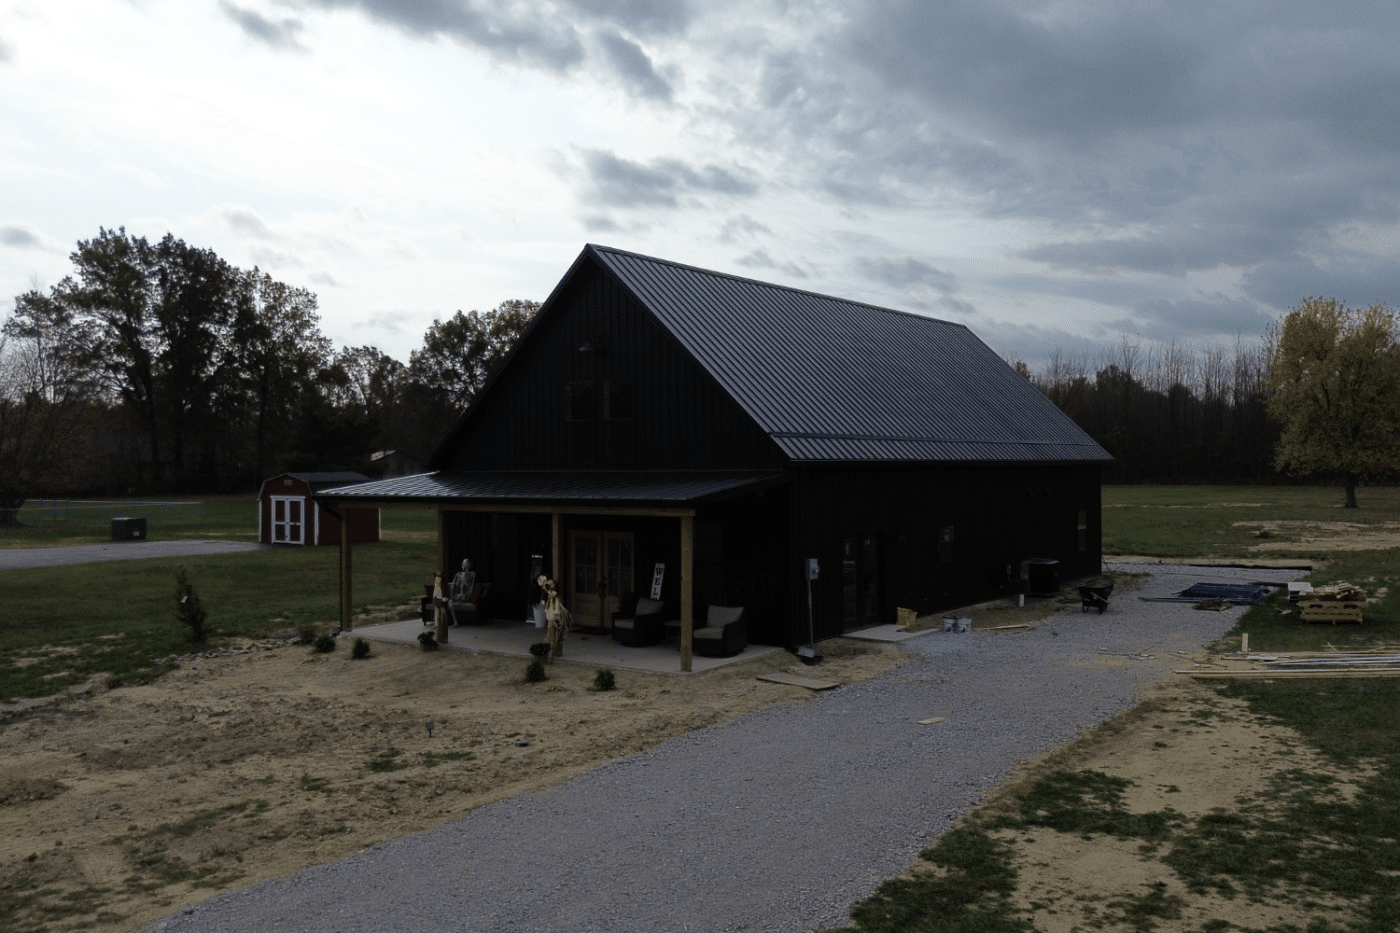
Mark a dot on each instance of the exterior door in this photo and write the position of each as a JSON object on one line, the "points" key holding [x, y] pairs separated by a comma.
{"points": [[860, 581], [601, 571], [288, 526]]}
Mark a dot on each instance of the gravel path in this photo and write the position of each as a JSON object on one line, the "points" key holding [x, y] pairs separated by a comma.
{"points": [[19, 557], [776, 821]]}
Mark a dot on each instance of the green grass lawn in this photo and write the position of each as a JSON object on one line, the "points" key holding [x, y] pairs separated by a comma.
{"points": [[233, 517], [1224, 521], [1310, 527], [60, 625]]}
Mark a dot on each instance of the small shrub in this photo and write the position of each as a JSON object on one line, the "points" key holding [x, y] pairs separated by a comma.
{"points": [[534, 672], [187, 608], [604, 679], [540, 649], [324, 644], [306, 634], [428, 642], [360, 651]]}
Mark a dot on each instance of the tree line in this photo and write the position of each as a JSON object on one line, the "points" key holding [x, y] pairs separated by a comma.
{"points": [[1315, 397], [160, 367]]}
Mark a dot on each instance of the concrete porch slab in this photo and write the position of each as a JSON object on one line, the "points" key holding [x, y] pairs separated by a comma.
{"points": [[513, 639], [886, 633]]}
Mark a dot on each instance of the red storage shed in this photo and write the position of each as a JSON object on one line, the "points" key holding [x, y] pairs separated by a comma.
{"points": [[287, 513]]}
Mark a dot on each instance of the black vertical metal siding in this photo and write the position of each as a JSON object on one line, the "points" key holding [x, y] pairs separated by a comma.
{"points": [[683, 419], [1001, 515]]}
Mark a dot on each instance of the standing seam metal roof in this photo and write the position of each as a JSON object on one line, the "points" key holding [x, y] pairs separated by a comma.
{"points": [[830, 379]]}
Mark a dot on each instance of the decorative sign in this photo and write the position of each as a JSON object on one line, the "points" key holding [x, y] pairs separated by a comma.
{"points": [[656, 576]]}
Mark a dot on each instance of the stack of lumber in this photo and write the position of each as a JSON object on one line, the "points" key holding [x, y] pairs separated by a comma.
{"points": [[1338, 603]]}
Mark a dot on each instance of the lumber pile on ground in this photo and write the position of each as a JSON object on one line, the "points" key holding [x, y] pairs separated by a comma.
{"points": [[1340, 603]]}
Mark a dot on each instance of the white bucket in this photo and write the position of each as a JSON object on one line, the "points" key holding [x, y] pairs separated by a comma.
{"points": [[964, 625], [949, 623]]}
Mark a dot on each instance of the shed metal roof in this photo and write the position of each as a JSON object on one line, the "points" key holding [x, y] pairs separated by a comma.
{"points": [[319, 481], [579, 487], [836, 380]]}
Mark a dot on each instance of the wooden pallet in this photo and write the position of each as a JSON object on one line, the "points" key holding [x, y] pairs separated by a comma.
{"points": [[1332, 612]]}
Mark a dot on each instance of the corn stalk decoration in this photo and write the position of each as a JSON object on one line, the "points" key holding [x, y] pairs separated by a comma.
{"points": [[557, 615]]}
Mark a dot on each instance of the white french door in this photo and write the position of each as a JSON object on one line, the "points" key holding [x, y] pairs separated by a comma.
{"points": [[288, 520]]}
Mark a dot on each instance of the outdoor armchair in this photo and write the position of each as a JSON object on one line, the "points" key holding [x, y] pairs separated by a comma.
{"points": [[725, 633], [645, 626], [466, 610]]}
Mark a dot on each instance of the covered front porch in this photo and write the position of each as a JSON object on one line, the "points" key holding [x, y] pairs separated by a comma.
{"points": [[606, 538]]}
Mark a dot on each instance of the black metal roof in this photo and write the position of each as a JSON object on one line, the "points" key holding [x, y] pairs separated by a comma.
{"points": [[836, 380], [579, 487]]}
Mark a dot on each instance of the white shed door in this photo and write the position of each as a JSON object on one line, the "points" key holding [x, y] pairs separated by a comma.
{"points": [[287, 519]]}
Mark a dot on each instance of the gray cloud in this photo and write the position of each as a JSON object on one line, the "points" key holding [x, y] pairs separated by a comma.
{"points": [[641, 17], [1156, 140], [6, 53], [1207, 318], [23, 236], [284, 35], [510, 33], [324, 278], [599, 223], [741, 226], [906, 273], [923, 286], [276, 258], [634, 67], [247, 222], [1354, 277], [759, 259], [618, 182]]}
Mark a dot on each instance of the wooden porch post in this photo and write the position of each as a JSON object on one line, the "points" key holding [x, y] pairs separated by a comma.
{"points": [[556, 524], [441, 545], [687, 607], [346, 593]]}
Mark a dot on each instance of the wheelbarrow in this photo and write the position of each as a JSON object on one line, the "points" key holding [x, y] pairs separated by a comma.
{"points": [[1094, 594]]}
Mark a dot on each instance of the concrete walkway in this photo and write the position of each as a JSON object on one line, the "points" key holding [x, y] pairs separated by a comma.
{"points": [[514, 639], [21, 557]]}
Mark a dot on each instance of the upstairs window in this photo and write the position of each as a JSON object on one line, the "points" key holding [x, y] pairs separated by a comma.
{"points": [[580, 417], [945, 544], [619, 436]]}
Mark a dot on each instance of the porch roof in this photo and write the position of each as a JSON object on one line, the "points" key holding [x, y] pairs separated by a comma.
{"points": [[565, 487]]}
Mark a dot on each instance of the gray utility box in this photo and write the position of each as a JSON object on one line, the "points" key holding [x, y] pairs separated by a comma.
{"points": [[128, 529], [1041, 575]]}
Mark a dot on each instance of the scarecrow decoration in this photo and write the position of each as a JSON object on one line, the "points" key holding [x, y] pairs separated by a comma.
{"points": [[557, 615]]}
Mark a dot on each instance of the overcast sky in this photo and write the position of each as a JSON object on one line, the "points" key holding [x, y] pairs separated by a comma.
{"points": [[1053, 174]]}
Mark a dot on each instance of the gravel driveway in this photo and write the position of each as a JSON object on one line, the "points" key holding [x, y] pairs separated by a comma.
{"points": [[776, 821], [20, 557]]}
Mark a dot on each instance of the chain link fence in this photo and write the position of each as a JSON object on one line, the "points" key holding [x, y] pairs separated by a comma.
{"points": [[80, 512]]}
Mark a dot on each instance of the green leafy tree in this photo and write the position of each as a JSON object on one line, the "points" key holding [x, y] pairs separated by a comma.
{"points": [[189, 610], [281, 351], [156, 323], [1335, 379], [43, 427], [457, 357], [461, 353]]}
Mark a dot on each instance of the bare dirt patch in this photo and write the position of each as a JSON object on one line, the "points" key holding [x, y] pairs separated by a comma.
{"points": [[1336, 536], [117, 807], [1186, 749]]}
